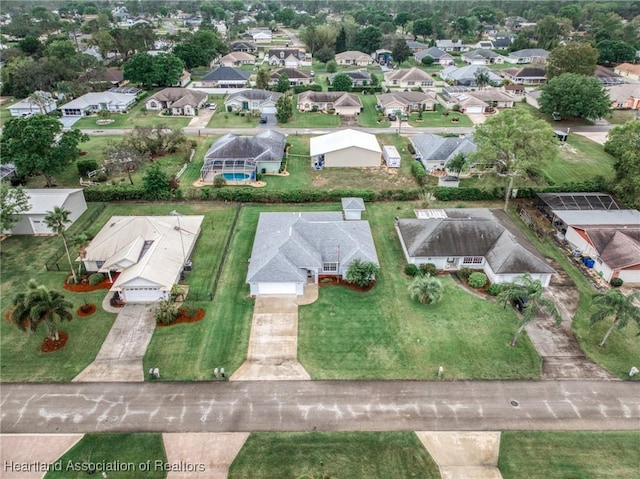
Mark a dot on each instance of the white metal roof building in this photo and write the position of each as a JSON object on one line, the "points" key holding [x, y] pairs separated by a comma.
{"points": [[345, 148]]}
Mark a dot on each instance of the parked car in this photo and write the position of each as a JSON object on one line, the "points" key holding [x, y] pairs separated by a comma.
{"points": [[556, 116], [263, 119], [212, 106], [392, 117], [520, 303]]}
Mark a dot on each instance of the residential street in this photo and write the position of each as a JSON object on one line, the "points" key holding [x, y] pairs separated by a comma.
{"points": [[320, 405]]}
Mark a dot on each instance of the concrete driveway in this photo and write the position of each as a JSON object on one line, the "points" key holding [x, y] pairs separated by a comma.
{"points": [[272, 122], [202, 120], [120, 357]]}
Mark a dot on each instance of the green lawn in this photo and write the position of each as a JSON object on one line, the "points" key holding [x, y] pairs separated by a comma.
{"points": [[311, 119], [223, 119], [5, 113], [562, 125], [568, 455], [129, 451], [137, 116], [383, 334], [622, 348], [436, 119], [369, 117], [619, 117], [23, 258], [579, 159], [350, 455]]}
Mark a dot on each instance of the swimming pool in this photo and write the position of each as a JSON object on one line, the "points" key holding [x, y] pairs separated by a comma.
{"points": [[235, 176]]}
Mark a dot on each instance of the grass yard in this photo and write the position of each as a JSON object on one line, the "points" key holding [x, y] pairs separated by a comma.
{"points": [[137, 116], [619, 117], [23, 258], [622, 348], [309, 119], [350, 455], [129, 450], [564, 455], [223, 119], [369, 117], [383, 334], [5, 112], [561, 125], [436, 119], [579, 159]]}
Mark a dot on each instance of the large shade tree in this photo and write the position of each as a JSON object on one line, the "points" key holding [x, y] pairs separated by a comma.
{"points": [[13, 201], [40, 305], [37, 145], [624, 145], [515, 145], [618, 308], [526, 287], [571, 94], [574, 57]]}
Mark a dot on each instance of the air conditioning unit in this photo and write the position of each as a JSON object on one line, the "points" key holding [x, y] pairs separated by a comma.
{"points": [[188, 266]]}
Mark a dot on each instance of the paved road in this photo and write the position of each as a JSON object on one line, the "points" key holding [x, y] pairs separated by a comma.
{"points": [[321, 405]]}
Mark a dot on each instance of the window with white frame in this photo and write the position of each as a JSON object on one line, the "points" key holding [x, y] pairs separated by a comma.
{"points": [[472, 260], [330, 267]]}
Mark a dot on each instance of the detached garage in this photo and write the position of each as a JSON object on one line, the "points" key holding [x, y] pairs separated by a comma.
{"points": [[345, 149]]}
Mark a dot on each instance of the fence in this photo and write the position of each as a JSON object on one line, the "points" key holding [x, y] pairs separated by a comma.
{"points": [[225, 251]]}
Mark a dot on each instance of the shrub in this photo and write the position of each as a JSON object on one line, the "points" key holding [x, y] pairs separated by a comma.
{"points": [[70, 280], [85, 166], [494, 289], [166, 312], [101, 177], [477, 280], [456, 107], [362, 273], [616, 282], [96, 278], [419, 173], [411, 148], [464, 273], [411, 269], [428, 269], [219, 181]]}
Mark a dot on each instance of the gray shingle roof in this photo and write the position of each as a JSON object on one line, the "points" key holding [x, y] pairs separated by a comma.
{"points": [[353, 204], [180, 97], [287, 244], [254, 94], [291, 73], [438, 148], [226, 73], [473, 232], [530, 52], [267, 146]]}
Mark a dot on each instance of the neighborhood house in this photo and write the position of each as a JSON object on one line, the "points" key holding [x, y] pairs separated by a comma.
{"points": [[94, 102], [345, 148], [263, 101], [181, 101], [340, 103]]}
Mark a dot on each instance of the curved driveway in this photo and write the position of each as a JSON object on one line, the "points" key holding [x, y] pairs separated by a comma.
{"points": [[320, 405]]}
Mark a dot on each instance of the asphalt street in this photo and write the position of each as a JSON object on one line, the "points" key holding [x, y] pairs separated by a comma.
{"points": [[320, 405]]}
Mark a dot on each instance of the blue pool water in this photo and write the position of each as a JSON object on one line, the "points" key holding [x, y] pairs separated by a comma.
{"points": [[235, 176]]}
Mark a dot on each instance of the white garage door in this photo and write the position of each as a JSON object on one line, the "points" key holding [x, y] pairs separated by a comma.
{"points": [[141, 295], [269, 110], [277, 288], [474, 109]]}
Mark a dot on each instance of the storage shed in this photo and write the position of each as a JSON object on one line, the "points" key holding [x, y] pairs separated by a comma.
{"points": [[391, 156], [353, 208]]}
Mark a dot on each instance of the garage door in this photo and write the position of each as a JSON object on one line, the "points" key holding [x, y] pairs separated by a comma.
{"points": [[277, 288], [269, 110], [141, 295], [473, 109]]}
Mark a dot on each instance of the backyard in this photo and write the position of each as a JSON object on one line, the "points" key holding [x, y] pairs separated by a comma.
{"points": [[438, 119]]}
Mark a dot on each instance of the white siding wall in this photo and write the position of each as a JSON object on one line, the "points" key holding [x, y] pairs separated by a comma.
{"points": [[352, 157], [76, 204], [352, 214], [630, 275]]}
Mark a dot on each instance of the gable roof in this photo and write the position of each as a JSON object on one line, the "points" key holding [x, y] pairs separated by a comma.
{"points": [[180, 97], [287, 244], [491, 94], [433, 52], [355, 75], [267, 146], [416, 45], [448, 44], [480, 53], [618, 247], [352, 204], [254, 94], [473, 232], [338, 98], [94, 98], [439, 148], [468, 73], [237, 57], [530, 52], [243, 46], [342, 139], [408, 74], [405, 97], [622, 93], [352, 55], [31, 103], [526, 72], [226, 73], [286, 52], [629, 68], [41, 201], [291, 73]]}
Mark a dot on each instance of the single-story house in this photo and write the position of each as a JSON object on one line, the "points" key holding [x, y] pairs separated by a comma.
{"points": [[408, 78], [345, 149], [358, 77], [94, 102], [239, 159], [341, 103], [287, 57], [246, 47], [440, 57], [435, 151], [262, 36], [226, 77], [41, 202], [354, 58], [607, 76], [528, 55], [406, 101], [494, 97], [624, 97], [293, 249], [514, 89], [113, 75], [482, 57], [248, 100], [475, 238], [525, 75], [628, 70], [503, 42], [451, 46], [485, 44], [532, 98], [149, 252], [236, 59], [352, 208], [417, 46], [466, 76], [296, 77], [181, 101], [45, 103]]}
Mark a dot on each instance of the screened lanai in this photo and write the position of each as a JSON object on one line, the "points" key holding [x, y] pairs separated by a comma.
{"points": [[232, 170]]}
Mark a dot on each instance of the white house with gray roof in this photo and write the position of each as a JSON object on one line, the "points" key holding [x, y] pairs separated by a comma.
{"points": [[528, 55], [293, 249], [440, 57], [466, 75], [475, 238], [250, 100], [482, 56], [94, 102], [434, 151]]}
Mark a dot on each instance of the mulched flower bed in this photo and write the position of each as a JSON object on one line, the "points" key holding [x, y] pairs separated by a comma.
{"points": [[86, 310], [86, 287], [51, 345], [334, 281], [187, 315]]}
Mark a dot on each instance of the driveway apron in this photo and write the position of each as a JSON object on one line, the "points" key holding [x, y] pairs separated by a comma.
{"points": [[120, 357]]}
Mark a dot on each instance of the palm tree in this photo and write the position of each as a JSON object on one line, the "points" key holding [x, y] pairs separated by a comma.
{"points": [[482, 78], [39, 98], [615, 304], [526, 287], [426, 289], [57, 220], [40, 305]]}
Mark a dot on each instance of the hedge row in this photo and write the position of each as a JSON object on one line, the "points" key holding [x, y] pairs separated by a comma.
{"points": [[302, 88], [252, 195], [419, 173], [363, 89], [115, 193]]}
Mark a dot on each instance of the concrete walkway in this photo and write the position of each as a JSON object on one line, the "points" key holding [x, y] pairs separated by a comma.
{"points": [[202, 120], [27, 449], [464, 455], [209, 454], [120, 357]]}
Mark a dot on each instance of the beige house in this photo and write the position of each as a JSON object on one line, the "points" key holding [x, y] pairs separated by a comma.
{"points": [[345, 149], [340, 103], [628, 70], [406, 101], [356, 58], [494, 97], [625, 97], [408, 78], [181, 101], [236, 59]]}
